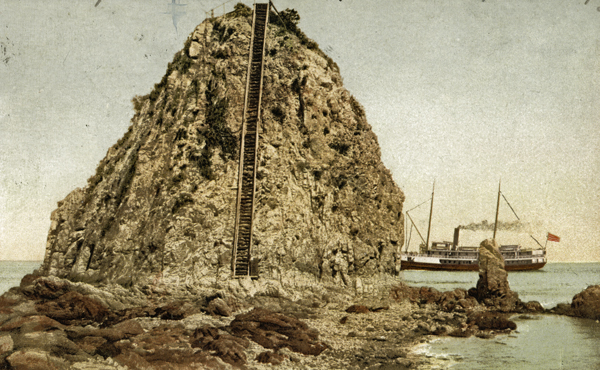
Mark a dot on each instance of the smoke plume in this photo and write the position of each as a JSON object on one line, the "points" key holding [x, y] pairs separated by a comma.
{"points": [[502, 225]]}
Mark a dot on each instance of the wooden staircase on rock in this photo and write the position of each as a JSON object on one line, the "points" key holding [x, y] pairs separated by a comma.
{"points": [[242, 236]]}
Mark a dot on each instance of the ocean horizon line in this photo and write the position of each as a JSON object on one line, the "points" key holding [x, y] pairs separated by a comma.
{"points": [[40, 261]]}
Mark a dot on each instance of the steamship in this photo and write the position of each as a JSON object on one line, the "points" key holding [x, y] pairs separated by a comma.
{"points": [[449, 256]]}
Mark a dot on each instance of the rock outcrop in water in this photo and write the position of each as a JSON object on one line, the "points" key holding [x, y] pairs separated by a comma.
{"points": [[159, 212], [492, 287], [585, 304]]}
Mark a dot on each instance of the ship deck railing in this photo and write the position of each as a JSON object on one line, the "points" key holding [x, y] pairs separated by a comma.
{"points": [[450, 255]]}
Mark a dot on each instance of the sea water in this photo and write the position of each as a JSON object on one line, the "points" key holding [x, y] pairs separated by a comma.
{"points": [[11, 272], [540, 341]]}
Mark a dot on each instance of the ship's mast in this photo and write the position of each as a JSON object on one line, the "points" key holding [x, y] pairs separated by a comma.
{"points": [[430, 214], [497, 209]]}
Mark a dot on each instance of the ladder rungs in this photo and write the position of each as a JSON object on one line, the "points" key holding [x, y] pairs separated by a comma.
{"points": [[249, 143]]}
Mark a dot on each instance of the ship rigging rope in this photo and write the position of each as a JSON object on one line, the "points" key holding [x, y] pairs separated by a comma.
{"points": [[409, 237], [419, 205], [515, 213], [511, 208]]}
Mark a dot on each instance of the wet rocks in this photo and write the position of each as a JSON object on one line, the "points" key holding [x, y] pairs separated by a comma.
{"points": [[487, 320], [28, 324], [165, 345], [481, 311], [484, 324], [188, 334], [357, 309], [73, 307], [493, 278], [80, 330], [35, 360], [229, 348], [561, 309], [270, 357], [463, 301], [534, 306], [274, 331], [457, 300], [6, 344], [54, 342], [585, 304], [218, 307]]}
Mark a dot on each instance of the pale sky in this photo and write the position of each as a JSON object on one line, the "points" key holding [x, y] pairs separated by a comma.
{"points": [[462, 92]]}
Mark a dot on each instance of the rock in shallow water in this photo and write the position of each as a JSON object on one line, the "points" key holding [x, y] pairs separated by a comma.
{"points": [[492, 286], [493, 278], [587, 303]]}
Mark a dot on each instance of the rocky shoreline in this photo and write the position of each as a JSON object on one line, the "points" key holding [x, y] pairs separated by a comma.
{"points": [[52, 323], [48, 323]]}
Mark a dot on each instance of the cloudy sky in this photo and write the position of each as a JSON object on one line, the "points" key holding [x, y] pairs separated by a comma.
{"points": [[461, 92]]}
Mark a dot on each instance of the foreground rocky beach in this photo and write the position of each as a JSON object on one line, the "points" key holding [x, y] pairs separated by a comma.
{"points": [[53, 323]]}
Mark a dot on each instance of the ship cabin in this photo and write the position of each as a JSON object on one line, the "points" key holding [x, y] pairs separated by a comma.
{"points": [[450, 250]]}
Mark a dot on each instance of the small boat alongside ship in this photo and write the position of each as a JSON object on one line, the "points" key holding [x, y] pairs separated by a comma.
{"points": [[449, 256]]}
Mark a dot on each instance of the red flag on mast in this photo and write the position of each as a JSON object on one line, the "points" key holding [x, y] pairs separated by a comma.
{"points": [[553, 238]]}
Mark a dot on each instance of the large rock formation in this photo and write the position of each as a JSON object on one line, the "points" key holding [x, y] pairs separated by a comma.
{"points": [[492, 287], [159, 212], [493, 278]]}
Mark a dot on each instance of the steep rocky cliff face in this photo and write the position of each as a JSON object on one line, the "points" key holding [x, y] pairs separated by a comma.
{"points": [[160, 209]]}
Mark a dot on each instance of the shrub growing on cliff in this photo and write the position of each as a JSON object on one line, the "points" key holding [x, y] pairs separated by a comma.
{"points": [[182, 61], [222, 32], [356, 107], [240, 10], [217, 134], [339, 181], [138, 103], [340, 147], [289, 19]]}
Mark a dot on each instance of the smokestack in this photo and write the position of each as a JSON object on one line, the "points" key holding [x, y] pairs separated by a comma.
{"points": [[455, 242]]}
